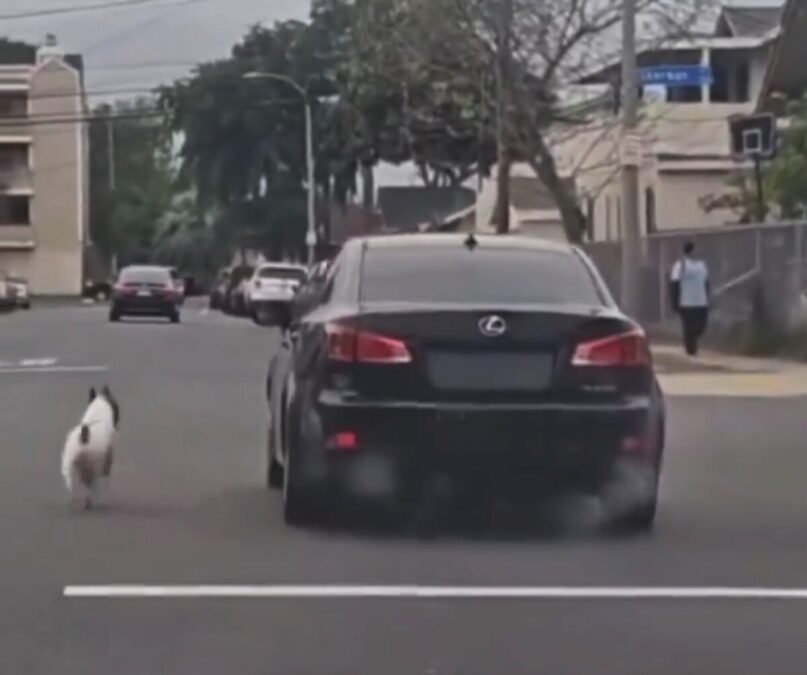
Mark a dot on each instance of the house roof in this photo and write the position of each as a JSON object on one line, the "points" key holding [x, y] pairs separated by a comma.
{"points": [[528, 193], [750, 21], [748, 28], [13, 53], [405, 209], [351, 220]]}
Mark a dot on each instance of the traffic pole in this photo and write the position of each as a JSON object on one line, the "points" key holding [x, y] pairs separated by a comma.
{"points": [[631, 160]]}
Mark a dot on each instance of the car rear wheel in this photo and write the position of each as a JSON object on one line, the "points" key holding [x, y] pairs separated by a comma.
{"points": [[114, 316], [175, 318], [642, 519], [301, 503], [274, 470]]}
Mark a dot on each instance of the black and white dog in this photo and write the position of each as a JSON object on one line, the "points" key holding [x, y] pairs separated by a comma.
{"points": [[87, 455]]}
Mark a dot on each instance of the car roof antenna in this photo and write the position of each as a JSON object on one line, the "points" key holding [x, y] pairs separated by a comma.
{"points": [[470, 242]]}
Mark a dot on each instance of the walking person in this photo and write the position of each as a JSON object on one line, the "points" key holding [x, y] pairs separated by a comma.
{"points": [[690, 292]]}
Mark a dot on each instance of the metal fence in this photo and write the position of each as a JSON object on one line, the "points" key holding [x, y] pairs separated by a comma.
{"points": [[753, 269]]}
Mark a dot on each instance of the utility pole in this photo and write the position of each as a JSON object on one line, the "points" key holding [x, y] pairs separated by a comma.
{"points": [[110, 146], [310, 158], [503, 114], [631, 160], [311, 230]]}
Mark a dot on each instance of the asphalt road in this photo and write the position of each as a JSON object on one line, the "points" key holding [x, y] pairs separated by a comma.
{"points": [[188, 508]]}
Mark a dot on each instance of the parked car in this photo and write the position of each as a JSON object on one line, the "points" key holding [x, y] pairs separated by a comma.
{"points": [[271, 291], [490, 363], [20, 290], [8, 294], [99, 290], [145, 291], [193, 287], [179, 283], [235, 296], [219, 289]]}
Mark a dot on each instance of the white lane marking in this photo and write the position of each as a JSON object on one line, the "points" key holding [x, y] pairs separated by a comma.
{"points": [[438, 592], [37, 363], [53, 370]]}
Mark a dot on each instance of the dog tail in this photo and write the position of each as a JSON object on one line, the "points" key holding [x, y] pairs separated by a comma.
{"points": [[84, 434]]}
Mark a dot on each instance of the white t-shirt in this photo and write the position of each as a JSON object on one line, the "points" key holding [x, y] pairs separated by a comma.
{"points": [[693, 277]]}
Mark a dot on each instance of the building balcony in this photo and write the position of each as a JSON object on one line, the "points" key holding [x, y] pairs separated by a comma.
{"points": [[17, 238], [17, 179], [14, 128]]}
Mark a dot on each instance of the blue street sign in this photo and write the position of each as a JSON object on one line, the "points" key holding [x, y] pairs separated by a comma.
{"points": [[677, 76]]}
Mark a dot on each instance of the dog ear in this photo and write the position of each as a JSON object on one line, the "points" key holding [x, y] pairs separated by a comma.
{"points": [[93, 394]]}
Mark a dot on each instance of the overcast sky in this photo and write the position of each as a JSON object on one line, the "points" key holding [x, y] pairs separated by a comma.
{"points": [[113, 41]]}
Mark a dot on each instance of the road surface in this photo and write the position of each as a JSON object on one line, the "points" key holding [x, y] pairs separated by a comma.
{"points": [[188, 509]]}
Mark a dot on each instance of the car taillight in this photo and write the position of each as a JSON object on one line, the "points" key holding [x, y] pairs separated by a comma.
{"points": [[125, 289], [348, 345], [344, 440], [624, 350]]}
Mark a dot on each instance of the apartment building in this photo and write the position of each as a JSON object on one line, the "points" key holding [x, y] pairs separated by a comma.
{"points": [[43, 167]]}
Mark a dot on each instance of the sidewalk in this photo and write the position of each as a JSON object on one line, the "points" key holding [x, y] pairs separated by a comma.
{"points": [[714, 374]]}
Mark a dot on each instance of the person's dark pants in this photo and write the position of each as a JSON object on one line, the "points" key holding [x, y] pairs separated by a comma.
{"points": [[693, 321]]}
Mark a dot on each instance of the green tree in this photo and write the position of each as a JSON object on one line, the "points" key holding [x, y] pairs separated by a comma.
{"points": [[131, 178], [786, 178], [525, 53]]}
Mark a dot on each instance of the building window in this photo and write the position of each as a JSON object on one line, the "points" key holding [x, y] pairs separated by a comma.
{"points": [[619, 218], [13, 105], [15, 210], [650, 210], [608, 218], [591, 210], [13, 156]]}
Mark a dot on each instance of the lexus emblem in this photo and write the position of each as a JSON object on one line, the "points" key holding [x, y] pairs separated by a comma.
{"points": [[492, 326]]}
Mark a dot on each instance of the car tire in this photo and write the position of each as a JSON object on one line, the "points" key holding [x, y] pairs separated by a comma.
{"points": [[274, 476], [175, 318], [641, 519], [301, 503], [114, 316], [298, 502], [262, 316], [274, 470]]}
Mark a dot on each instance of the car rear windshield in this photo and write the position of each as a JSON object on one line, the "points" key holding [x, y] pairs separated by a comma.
{"points": [[145, 275], [482, 276], [282, 273]]}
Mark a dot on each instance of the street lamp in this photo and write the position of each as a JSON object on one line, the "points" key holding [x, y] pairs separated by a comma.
{"points": [[311, 232]]}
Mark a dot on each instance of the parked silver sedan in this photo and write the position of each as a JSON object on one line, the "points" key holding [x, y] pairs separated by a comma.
{"points": [[20, 290]]}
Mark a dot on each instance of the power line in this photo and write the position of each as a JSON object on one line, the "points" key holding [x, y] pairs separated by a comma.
{"points": [[25, 121], [141, 26], [33, 120], [114, 4], [144, 65]]}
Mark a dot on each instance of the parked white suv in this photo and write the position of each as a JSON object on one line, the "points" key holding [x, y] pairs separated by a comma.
{"points": [[271, 290]]}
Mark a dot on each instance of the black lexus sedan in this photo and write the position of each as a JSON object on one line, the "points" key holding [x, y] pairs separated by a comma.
{"points": [[144, 290], [490, 362]]}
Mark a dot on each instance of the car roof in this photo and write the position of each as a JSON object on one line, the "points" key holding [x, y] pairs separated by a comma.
{"points": [[434, 240], [144, 268], [280, 266]]}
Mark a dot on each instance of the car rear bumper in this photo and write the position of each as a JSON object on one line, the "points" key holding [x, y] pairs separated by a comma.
{"points": [[271, 298], [533, 449], [145, 306]]}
